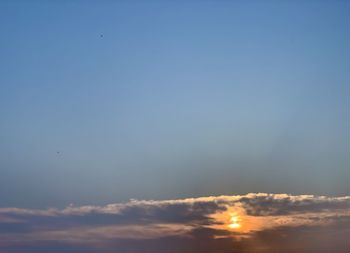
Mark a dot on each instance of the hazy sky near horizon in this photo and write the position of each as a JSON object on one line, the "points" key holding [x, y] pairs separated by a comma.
{"points": [[104, 101]]}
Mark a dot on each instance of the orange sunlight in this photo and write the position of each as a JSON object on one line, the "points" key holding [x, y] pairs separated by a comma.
{"points": [[234, 222]]}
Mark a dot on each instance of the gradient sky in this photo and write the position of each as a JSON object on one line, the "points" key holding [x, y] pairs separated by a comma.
{"points": [[104, 101]]}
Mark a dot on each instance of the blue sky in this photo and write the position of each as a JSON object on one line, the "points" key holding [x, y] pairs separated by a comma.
{"points": [[104, 101]]}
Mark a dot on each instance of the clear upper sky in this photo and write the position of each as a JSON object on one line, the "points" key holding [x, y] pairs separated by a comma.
{"points": [[103, 101]]}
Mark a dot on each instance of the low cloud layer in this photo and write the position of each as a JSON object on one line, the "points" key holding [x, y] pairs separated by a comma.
{"points": [[255, 222]]}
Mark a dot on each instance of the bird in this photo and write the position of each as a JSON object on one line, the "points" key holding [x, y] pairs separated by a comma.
{"points": [[101, 35]]}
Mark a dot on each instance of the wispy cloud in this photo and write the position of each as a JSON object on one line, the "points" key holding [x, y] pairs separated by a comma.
{"points": [[191, 220]]}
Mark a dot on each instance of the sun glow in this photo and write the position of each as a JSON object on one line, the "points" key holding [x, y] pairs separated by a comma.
{"points": [[234, 222]]}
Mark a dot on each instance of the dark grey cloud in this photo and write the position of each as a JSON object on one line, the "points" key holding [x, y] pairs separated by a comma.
{"points": [[273, 204], [269, 223]]}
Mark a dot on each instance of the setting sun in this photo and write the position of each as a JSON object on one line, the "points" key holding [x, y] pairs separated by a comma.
{"points": [[234, 222]]}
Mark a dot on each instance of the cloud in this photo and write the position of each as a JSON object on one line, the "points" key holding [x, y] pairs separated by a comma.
{"points": [[189, 221], [282, 204]]}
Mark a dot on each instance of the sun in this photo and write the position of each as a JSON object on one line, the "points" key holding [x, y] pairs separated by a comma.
{"points": [[234, 222]]}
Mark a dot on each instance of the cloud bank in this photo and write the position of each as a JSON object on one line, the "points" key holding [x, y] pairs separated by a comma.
{"points": [[262, 223]]}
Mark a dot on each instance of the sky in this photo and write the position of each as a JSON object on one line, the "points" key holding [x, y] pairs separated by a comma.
{"points": [[174, 126], [106, 101]]}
